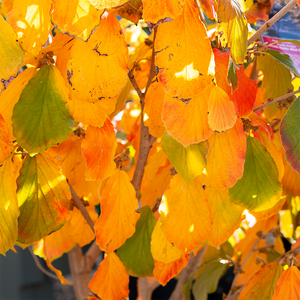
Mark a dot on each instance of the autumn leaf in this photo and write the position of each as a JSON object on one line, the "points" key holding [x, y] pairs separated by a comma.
{"points": [[232, 29], [100, 4], [155, 162], [48, 121], [11, 53], [75, 17], [110, 280], [9, 210], [118, 205], [6, 145], [185, 215], [43, 196], [156, 10], [184, 56], [259, 188], [262, 284], [189, 162], [99, 148], [288, 286], [135, 253]]}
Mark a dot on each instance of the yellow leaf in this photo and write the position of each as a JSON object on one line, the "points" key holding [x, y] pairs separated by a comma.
{"points": [[6, 145], [100, 4], [161, 248], [184, 56], [30, 19], [11, 53], [155, 161], [110, 280], [118, 205], [185, 215], [76, 17]]}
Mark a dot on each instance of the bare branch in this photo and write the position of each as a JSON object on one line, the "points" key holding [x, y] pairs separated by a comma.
{"points": [[272, 21]]}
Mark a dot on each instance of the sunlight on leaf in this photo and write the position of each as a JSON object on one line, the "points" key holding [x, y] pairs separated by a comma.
{"points": [[6, 146]]}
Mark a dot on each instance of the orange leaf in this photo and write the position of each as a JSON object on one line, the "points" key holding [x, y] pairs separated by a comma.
{"points": [[164, 272], [105, 50], [110, 280], [100, 4], [288, 286], [184, 56], [155, 10], [221, 70], [99, 149], [57, 272], [154, 103], [226, 216], [118, 205], [185, 215], [291, 179], [255, 12], [262, 284], [221, 111], [226, 157], [155, 162], [179, 118], [6, 145]]}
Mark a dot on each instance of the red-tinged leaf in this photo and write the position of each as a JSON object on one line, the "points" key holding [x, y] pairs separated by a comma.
{"points": [[164, 272], [58, 273], [118, 205], [288, 286], [154, 103], [105, 50], [262, 123], [221, 70], [179, 118], [9, 210], [221, 111], [6, 145], [43, 196], [155, 10], [256, 12], [209, 8], [262, 284], [98, 148], [110, 280], [226, 216], [185, 214], [184, 56], [226, 157]]}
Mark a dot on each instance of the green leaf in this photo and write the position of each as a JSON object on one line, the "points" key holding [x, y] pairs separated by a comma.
{"points": [[232, 29], [285, 60], [189, 162], [135, 253], [43, 196], [259, 188], [232, 76], [208, 276], [290, 134], [41, 119]]}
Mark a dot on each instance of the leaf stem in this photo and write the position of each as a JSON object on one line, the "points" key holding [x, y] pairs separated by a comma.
{"points": [[276, 100], [272, 21]]}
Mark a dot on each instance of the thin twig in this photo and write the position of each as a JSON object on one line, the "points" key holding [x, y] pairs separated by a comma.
{"points": [[81, 207], [272, 21], [276, 100], [296, 250]]}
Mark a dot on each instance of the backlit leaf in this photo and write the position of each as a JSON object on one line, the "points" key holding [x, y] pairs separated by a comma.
{"points": [[262, 284], [6, 145], [155, 10], [135, 253], [189, 162], [30, 19], [99, 148], [118, 205], [155, 162], [11, 53], [43, 196], [179, 118], [8, 207], [226, 216], [226, 157], [290, 135], [100, 4], [75, 17], [288, 286], [185, 215], [164, 272], [161, 248], [105, 50], [221, 111], [47, 121], [232, 29], [110, 280], [184, 56], [259, 188]]}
